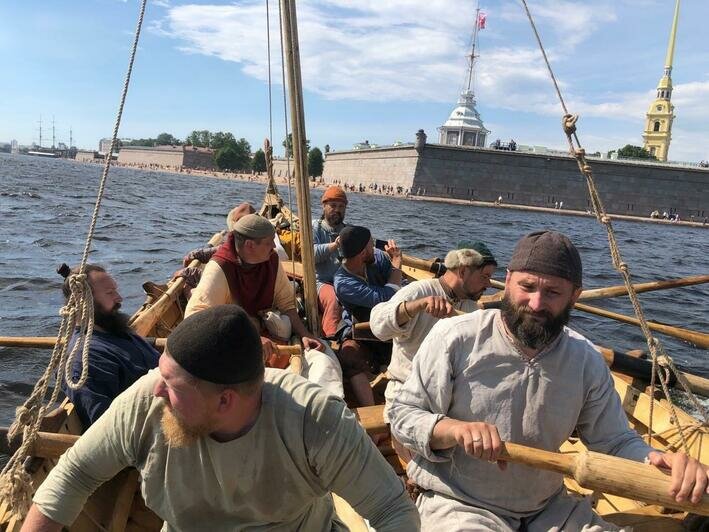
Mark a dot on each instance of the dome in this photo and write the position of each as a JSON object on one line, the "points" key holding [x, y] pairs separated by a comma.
{"points": [[465, 116]]}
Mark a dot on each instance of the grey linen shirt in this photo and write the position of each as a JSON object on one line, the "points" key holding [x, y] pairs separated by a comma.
{"points": [[468, 369], [278, 476]]}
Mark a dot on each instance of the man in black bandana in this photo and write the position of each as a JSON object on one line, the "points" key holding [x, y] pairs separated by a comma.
{"points": [[117, 356]]}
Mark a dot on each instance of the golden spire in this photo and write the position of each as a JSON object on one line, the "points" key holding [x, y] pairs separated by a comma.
{"points": [[658, 120], [671, 45]]}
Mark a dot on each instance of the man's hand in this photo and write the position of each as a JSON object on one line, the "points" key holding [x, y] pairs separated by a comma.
{"points": [[335, 245], [269, 348], [394, 253], [689, 476], [311, 343], [436, 306], [477, 439]]}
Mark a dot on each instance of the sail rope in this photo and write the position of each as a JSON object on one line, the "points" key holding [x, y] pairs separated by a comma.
{"points": [[660, 359], [77, 313]]}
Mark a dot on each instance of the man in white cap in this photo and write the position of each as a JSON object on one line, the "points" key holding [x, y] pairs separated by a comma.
{"points": [[409, 315], [517, 374], [222, 444]]}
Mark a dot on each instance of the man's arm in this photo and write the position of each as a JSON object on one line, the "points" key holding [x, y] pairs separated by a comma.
{"points": [[323, 247], [346, 462], [425, 398], [352, 291], [36, 521], [212, 290], [107, 447]]}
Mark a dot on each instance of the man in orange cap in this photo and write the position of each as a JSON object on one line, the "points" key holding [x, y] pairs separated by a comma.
{"points": [[326, 237]]}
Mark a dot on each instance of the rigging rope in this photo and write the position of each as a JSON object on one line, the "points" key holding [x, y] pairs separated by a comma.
{"points": [[660, 359], [78, 312]]}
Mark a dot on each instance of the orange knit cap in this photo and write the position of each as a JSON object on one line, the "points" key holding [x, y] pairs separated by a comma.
{"points": [[334, 193]]}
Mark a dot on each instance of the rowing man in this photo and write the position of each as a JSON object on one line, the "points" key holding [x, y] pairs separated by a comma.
{"points": [[520, 375]]}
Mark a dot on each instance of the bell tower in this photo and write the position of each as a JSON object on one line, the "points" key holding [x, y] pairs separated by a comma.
{"points": [[658, 120]]}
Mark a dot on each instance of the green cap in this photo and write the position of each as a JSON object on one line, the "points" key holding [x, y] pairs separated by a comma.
{"points": [[488, 257]]}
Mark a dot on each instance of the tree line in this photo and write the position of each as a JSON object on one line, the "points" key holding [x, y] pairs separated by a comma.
{"points": [[231, 154]]}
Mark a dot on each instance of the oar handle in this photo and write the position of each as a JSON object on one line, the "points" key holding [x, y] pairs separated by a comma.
{"points": [[607, 474]]}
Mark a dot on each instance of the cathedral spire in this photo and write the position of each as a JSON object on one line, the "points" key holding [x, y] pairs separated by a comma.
{"points": [[658, 121]]}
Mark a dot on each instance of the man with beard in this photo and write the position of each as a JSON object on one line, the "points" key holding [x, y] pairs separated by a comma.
{"points": [[409, 315], [222, 444], [367, 277], [518, 375], [326, 237], [117, 356]]}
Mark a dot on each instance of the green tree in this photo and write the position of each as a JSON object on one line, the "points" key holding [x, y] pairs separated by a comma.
{"points": [[258, 163], [634, 152], [220, 139], [315, 162], [288, 145], [200, 138], [166, 139], [235, 156]]}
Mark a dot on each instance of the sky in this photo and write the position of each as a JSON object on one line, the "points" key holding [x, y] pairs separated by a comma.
{"points": [[374, 70]]}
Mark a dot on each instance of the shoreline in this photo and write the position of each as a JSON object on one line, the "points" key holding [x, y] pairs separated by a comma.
{"points": [[261, 178]]}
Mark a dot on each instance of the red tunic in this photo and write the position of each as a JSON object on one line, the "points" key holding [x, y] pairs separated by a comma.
{"points": [[252, 287]]}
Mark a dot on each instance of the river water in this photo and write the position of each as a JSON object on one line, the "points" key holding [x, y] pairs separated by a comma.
{"points": [[148, 220]]}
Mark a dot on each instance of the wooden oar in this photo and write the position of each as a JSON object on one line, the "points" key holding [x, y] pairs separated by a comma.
{"points": [[595, 471], [47, 444], [47, 342], [146, 320], [697, 338], [621, 290]]}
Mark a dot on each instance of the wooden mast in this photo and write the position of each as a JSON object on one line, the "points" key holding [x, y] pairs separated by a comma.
{"points": [[302, 187]]}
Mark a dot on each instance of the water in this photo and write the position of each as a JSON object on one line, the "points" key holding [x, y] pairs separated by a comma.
{"points": [[148, 220]]}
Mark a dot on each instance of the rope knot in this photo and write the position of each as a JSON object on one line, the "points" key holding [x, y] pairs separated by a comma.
{"points": [[623, 267], [606, 219], [23, 415], [580, 153], [568, 122]]}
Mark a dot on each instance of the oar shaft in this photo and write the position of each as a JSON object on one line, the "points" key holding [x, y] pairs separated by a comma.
{"points": [[47, 342], [697, 338], [621, 290]]}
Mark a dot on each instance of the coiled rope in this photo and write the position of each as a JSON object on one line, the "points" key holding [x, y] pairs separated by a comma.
{"points": [[660, 359], [77, 313]]}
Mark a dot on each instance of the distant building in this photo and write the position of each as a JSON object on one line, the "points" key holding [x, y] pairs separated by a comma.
{"points": [[104, 145], [176, 157], [464, 126], [658, 120], [86, 156], [14, 146]]}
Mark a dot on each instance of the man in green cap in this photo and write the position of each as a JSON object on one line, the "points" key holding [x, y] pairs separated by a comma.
{"points": [[223, 444], [409, 315], [245, 270]]}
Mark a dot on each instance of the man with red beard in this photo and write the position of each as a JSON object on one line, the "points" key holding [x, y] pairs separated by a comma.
{"points": [[223, 444], [117, 356], [520, 375]]}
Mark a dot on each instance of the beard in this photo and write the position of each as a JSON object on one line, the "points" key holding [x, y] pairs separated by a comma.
{"points": [[113, 322], [177, 433], [334, 219], [524, 325]]}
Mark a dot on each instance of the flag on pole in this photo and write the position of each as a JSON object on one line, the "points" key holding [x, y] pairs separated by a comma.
{"points": [[482, 18]]}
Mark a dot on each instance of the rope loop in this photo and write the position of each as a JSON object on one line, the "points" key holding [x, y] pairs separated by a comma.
{"points": [[569, 123], [580, 153]]}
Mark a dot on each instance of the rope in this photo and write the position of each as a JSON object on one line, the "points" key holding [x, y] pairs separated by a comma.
{"points": [[15, 482], [659, 356]]}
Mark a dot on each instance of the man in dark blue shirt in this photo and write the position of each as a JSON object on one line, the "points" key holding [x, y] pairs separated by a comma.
{"points": [[117, 356], [367, 276]]}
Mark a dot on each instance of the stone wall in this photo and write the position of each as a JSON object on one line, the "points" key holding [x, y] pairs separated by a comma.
{"points": [[634, 189], [167, 157], [86, 156], [384, 166], [527, 179]]}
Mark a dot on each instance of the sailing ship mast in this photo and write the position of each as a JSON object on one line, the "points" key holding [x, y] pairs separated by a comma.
{"points": [[295, 94]]}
